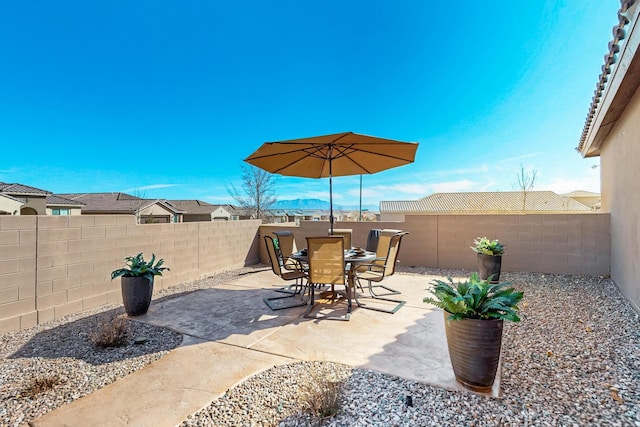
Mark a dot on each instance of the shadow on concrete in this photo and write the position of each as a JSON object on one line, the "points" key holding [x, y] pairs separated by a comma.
{"points": [[73, 340]]}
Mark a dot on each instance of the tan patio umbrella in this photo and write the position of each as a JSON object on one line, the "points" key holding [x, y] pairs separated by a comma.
{"points": [[339, 154]]}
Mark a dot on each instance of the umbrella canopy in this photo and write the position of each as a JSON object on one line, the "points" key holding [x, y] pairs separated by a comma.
{"points": [[326, 156]]}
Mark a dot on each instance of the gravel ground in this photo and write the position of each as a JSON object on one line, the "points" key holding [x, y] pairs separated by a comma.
{"points": [[62, 354], [574, 359]]}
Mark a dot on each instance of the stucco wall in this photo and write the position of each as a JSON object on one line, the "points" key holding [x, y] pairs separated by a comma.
{"points": [[72, 211], [37, 203], [10, 206], [550, 243], [51, 266], [620, 172]]}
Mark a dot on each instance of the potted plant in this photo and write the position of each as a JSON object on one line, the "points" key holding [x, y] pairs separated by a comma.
{"points": [[475, 311], [489, 258], [136, 282]]}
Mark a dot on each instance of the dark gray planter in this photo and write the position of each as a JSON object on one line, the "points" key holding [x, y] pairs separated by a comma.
{"points": [[136, 294], [474, 349], [488, 266]]}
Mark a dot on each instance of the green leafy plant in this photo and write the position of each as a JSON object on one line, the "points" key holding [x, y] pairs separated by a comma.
{"points": [[476, 299], [483, 245], [138, 267]]}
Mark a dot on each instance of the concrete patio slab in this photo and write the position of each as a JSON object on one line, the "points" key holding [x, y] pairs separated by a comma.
{"points": [[166, 392], [231, 335]]}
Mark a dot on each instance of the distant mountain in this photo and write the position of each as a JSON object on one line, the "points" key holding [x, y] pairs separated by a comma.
{"points": [[318, 204], [302, 204]]}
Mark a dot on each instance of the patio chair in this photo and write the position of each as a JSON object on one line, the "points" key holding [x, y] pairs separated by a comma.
{"points": [[382, 239], [344, 232], [372, 240], [298, 276], [326, 267], [378, 271], [287, 245]]}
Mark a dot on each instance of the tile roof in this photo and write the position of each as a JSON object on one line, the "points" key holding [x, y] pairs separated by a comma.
{"points": [[20, 189], [610, 59], [53, 199], [194, 206], [115, 202], [582, 193], [486, 202]]}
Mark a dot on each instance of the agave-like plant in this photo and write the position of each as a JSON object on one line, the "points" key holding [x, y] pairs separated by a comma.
{"points": [[483, 245], [476, 299], [138, 267]]}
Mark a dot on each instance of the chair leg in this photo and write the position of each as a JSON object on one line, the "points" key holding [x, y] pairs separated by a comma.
{"points": [[399, 303], [389, 290], [291, 294], [291, 289], [311, 303]]}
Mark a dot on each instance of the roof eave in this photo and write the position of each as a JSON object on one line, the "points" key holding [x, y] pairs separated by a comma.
{"points": [[618, 88]]}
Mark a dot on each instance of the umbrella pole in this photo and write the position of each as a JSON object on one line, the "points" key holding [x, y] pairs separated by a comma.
{"points": [[330, 197], [360, 211]]}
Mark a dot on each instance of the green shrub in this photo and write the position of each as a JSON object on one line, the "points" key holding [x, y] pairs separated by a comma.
{"points": [[475, 299], [136, 266], [483, 245]]}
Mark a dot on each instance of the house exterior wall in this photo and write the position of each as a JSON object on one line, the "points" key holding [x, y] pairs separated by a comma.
{"points": [[550, 243], [39, 204], [72, 211], [620, 181], [220, 213], [10, 206], [52, 266], [196, 217]]}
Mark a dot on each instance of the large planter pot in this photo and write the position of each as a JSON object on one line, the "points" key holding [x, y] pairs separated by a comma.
{"points": [[488, 266], [474, 350], [136, 294]]}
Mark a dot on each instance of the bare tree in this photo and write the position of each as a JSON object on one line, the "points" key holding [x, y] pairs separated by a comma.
{"points": [[525, 182], [257, 193]]}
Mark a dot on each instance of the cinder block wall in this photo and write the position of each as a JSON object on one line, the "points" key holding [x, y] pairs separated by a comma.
{"points": [[17, 272], [549, 243], [52, 266]]}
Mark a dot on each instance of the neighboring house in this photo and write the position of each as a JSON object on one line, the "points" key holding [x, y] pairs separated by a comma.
{"points": [[57, 205], [33, 201], [197, 210], [20, 199], [612, 131], [146, 210], [10, 205], [586, 198], [474, 203]]}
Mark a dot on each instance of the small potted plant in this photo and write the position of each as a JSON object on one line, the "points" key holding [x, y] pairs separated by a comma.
{"points": [[475, 311], [136, 282], [489, 258]]}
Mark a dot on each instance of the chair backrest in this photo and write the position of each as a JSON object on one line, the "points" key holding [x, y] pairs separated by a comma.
{"points": [[326, 260], [392, 253], [344, 232], [276, 261], [286, 242], [372, 239], [384, 239]]}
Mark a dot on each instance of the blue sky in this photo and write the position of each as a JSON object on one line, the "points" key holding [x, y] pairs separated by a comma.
{"points": [[165, 99]]}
